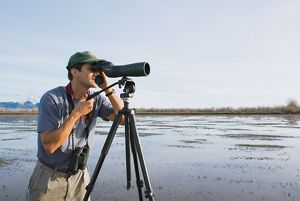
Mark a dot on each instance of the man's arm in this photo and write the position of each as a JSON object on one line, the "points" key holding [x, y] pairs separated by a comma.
{"points": [[52, 140], [117, 105], [115, 100]]}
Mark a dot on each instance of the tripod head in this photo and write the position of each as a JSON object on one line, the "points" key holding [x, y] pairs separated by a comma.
{"points": [[129, 89]]}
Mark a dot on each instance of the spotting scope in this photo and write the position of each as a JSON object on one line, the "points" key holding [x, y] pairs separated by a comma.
{"points": [[134, 70]]}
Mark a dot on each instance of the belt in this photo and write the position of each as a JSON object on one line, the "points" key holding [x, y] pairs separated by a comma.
{"points": [[52, 167]]}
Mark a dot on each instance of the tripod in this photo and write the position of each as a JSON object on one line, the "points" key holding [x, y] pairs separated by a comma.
{"points": [[131, 143]]}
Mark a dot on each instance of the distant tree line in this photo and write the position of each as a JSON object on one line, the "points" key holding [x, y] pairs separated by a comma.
{"points": [[292, 107]]}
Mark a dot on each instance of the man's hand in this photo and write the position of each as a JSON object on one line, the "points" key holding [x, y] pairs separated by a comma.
{"points": [[115, 100], [83, 108], [105, 80]]}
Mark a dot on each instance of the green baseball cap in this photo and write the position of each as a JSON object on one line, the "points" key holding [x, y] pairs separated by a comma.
{"points": [[82, 57]]}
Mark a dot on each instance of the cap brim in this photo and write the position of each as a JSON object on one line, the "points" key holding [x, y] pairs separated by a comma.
{"points": [[90, 60]]}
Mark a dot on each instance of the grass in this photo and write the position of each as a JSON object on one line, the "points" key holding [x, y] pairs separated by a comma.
{"points": [[288, 109], [18, 112], [226, 110], [291, 108]]}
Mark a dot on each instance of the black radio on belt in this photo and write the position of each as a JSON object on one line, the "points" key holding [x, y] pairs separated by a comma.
{"points": [[78, 159]]}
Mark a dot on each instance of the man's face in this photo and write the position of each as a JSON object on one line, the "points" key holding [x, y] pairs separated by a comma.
{"points": [[86, 77]]}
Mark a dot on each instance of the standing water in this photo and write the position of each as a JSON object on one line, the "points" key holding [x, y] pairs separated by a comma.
{"points": [[209, 158]]}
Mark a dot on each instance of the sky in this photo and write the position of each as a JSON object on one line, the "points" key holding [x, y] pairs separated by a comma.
{"points": [[217, 53]]}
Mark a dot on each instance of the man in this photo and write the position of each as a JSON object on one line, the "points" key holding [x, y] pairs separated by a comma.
{"points": [[66, 123]]}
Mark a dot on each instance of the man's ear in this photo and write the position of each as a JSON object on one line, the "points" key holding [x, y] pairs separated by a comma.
{"points": [[74, 72]]}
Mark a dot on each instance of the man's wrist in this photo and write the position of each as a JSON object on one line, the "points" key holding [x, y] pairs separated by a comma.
{"points": [[74, 116], [108, 93]]}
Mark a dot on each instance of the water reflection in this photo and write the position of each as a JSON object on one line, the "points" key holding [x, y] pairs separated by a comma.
{"points": [[292, 119], [28, 119]]}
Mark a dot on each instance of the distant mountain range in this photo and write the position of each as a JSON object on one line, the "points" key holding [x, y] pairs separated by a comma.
{"points": [[17, 105]]}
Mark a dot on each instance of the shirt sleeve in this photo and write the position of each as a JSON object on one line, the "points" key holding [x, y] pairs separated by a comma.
{"points": [[105, 108], [48, 114]]}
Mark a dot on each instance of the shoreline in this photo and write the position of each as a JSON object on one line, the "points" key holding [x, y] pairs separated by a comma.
{"points": [[172, 112]]}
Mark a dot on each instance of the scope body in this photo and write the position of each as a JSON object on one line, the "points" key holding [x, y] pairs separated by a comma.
{"points": [[133, 70]]}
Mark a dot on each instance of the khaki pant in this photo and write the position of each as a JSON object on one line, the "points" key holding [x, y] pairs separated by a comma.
{"points": [[48, 184]]}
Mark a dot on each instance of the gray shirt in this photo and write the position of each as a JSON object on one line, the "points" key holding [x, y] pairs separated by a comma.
{"points": [[53, 111]]}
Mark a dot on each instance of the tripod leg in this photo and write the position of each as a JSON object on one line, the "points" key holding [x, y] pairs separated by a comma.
{"points": [[127, 148], [139, 182], [149, 192], [104, 152]]}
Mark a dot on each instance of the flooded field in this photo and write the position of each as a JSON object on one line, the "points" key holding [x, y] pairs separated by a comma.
{"points": [[189, 158]]}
